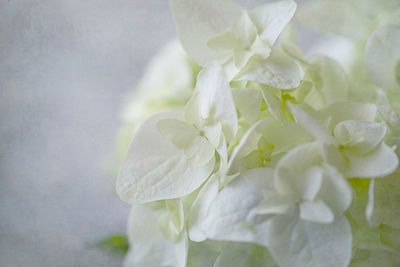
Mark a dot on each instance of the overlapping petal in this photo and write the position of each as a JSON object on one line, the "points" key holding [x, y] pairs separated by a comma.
{"points": [[148, 245], [232, 214], [205, 18], [382, 57], [295, 242], [155, 169]]}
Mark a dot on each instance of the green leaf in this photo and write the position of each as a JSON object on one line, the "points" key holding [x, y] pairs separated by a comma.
{"points": [[114, 244]]}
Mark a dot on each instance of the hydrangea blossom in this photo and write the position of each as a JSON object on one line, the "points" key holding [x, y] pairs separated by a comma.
{"points": [[274, 158]]}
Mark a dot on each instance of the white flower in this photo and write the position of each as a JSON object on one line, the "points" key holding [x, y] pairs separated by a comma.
{"points": [[274, 154], [318, 191], [171, 157], [233, 36], [356, 147], [226, 27], [302, 196]]}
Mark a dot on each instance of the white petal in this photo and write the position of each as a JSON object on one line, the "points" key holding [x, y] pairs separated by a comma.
{"points": [[378, 163], [198, 21], [147, 245], [216, 101], [312, 182], [339, 17], [224, 42], [311, 125], [333, 82], [241, 56], [199, 152], [273, 102], [181, 250], [213, 133], [245, 29], [192, 111], [222, 150], [349, 111], [287, 136], [232, 214], [249, 143], [200, 207], [359, 136], [316, 211], [290, 170], [382, 57], [154, 169], [278, 70], [272, 18], [176, 214], [260, 48], [335, 190], [178, 132], [328, 146], [276, 204], [248, 101], [333, 156], [294, 242]]}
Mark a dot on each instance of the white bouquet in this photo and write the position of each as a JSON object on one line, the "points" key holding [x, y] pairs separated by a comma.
{"points": [[267, 158]]}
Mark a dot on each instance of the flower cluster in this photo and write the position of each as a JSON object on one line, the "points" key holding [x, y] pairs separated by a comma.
{"points": [[268, 157]]}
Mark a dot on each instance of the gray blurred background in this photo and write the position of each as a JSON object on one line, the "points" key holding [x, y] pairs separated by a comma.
{"points": [[66, 67]]}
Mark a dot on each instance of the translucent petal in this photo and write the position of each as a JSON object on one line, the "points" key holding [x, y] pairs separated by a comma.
{"points": [[260, 48], [273, 102], [224, 42], [382, 57], [333, 156], [248, 102], [276, 204], [213, 133], [359, 136], [338, 17], [215, 99], [311, 125], [349, 111], [199, 152], [245, 29], [287, 136], [199, 209], [311, 183], [272, 18], [334, 84], [316, 211], [155, 169], [206, 19], [278, 70], [335, 191], [192, 111], [178, 132], [147, 245], [294, 242], [249, 143], [241, 56], [291, 168], [378, 163], [232, 214]]}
